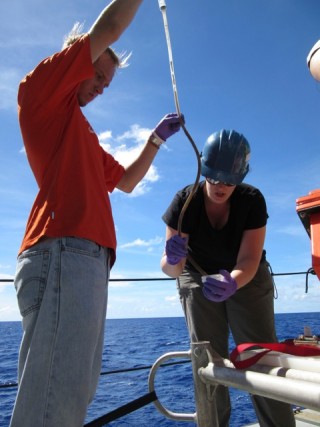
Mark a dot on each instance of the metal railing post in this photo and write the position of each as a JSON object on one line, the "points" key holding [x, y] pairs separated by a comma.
{"points": [[151, 383], [206, 409]]}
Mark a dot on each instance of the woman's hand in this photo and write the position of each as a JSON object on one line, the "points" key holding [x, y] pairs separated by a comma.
{"points": [[219, 287], [176, 249]]}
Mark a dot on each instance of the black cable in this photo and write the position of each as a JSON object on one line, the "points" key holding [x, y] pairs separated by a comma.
{"points": [[123, 410], [310, 271], [118, 371], [142, 279], [275, 290], [141, 368]]}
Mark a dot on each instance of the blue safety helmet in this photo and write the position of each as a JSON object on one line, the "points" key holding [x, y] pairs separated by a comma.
{"points": [[225, 157]]}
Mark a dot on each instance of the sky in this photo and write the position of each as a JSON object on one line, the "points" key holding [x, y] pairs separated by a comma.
{"points": [[238, 65]]}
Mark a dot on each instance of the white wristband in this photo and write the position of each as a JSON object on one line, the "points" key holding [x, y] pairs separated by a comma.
{"points": [[156, 140]]}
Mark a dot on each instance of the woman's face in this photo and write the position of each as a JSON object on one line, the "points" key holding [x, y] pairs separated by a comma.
{"points": [[218, 192]]}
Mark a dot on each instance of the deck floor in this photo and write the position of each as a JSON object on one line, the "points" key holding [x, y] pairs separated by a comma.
{"points": [[305, 418]]}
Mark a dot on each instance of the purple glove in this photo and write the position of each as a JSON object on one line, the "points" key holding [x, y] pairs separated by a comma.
{"points": [[219, 289], [168, 125], [176, 249]]}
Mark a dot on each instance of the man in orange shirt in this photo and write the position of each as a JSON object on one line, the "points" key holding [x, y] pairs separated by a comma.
{"points": [[69, 244]]}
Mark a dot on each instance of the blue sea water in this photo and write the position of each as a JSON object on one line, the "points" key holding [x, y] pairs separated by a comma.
{"points": [[134, 343]]}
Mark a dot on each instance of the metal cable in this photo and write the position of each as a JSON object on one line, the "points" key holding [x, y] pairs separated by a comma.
{"points": [[163, 7], [148, 279], [117, 371]]}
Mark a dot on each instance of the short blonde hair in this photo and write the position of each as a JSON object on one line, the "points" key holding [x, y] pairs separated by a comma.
{"points": [[120, 59]]}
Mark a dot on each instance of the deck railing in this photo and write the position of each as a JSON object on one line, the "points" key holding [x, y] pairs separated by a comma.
{"points": [[294, 386], [297, 387]]}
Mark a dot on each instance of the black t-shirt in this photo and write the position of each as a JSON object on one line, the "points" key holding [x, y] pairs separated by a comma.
{"points": [[216, 249]]}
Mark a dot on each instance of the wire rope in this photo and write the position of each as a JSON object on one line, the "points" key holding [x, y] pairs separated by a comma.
{"points": [[163, 9]]}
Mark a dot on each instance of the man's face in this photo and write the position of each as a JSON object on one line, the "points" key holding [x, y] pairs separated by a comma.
{"points": [[104, 72]]}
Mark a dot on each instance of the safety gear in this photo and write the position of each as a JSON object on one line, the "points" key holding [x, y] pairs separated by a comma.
{"points": [[176, 249], [168, 125], [214, 182], [225, 157], [219, 287]]}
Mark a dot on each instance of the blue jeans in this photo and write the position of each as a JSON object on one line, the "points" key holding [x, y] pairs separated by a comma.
{"points": [[61, 286]]}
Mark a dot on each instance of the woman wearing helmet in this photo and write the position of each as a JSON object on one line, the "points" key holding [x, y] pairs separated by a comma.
{"points": [[223, 232]]}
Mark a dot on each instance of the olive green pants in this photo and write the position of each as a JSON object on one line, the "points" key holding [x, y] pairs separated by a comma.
{"points": [[249, 316]]}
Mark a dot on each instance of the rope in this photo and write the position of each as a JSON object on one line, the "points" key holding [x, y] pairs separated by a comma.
{"points": [[142, 368], [134, 404], [118, 371], [309, 271], [275, 290], [123, 410], [143, 279], [8, 385], [127, 408]]}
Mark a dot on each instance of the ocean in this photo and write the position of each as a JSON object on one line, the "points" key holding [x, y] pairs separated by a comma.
{"points": [[137, 343]]}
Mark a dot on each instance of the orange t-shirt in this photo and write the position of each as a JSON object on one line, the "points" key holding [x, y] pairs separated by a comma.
{"points": [[73, 172]]}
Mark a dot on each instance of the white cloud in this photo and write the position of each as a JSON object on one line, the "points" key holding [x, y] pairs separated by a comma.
{"points": [[142, 243], [2, 266], [121, 284], [143, 187], [136, 133], [127, 147], [105, 136], [118, 147], [172, 298], [292, 295], [6, 309]]}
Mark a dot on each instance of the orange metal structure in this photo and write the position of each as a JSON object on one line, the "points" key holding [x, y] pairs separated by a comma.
{"points": [[308, 209]]}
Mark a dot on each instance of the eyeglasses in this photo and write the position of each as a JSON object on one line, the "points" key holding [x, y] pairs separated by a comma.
{"points": [[214, 182]]}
